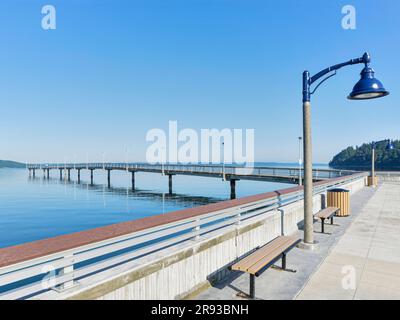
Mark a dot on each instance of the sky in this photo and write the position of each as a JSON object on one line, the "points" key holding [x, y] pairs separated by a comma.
{"points": [[112, 70]]}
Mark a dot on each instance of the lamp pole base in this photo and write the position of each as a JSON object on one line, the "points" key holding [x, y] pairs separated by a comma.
{"points": [[308, 246]]}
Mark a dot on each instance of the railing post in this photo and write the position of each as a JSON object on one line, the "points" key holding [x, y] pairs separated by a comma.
{"points": [[197, 229], [67, 271], [237, 217]]}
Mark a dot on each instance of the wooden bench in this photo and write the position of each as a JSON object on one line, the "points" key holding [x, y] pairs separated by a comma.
{"points": [[327, 213], [264, 257]]}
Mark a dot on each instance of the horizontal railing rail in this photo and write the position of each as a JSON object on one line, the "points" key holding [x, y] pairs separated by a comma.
{"points": [[219, 170], [59, 263]]}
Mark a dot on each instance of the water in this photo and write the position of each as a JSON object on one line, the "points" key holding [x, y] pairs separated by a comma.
{"points": [[33, 209]]}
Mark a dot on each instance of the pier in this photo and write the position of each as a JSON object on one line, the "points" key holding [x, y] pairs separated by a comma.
{"points": [[230, 174]]}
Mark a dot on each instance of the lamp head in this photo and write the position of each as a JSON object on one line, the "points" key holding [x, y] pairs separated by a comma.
{"points": [[390, 145], [368, 87]]}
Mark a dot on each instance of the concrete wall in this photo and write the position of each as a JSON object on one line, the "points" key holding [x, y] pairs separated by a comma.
{"points": [[181, 273]]}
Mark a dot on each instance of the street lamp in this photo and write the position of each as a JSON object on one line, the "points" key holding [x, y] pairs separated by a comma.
{"points": [[223, 161], [126, 158], [388, 147], [368, 87], [163, 160]]}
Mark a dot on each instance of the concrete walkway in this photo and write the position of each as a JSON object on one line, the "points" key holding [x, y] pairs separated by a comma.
{"points": [[365, 263], [275, 284]]}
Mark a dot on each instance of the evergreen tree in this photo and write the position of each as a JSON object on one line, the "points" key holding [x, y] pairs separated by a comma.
{"points": [[359, 158]]}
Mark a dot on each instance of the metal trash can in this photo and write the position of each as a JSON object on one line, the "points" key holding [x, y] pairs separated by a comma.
{"points": [[339, 198]]}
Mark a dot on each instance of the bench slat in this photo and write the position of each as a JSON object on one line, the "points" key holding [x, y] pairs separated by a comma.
{"points": [[257, 260], [271, 256], [248, 261], [327, 212]]}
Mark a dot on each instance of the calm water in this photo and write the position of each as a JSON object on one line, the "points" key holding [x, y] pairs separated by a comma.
{"points": [[32, 209]]}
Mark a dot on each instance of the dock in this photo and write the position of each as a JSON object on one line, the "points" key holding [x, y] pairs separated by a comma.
{"points": [[228, 173]]}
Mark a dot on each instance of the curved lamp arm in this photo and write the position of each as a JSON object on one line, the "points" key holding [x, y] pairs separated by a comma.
{"points": [[308, 80]]}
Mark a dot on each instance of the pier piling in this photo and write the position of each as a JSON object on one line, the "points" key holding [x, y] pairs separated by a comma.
{"points": [[233, 188], [79, 175], [109, 177], [170, 183], [133, 180], [91, 176]]}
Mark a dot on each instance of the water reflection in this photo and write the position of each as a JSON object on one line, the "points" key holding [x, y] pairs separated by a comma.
{"points": [[38, 208], [180, 200]]}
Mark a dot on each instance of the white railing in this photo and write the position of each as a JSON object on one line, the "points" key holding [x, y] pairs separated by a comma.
{"points": [[216, 170], [63, 270]]}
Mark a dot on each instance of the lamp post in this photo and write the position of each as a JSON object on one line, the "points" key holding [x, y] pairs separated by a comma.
{"points": [[163, 160], [389, 146], [126, 158], [223, 161], [300, 161], [366, 88]]}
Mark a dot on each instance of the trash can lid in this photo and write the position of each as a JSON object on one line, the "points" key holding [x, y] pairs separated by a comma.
{"points": [[338, 190]]}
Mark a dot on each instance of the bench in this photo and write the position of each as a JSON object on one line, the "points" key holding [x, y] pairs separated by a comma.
{"points": [[264, 257], [324, 214]]}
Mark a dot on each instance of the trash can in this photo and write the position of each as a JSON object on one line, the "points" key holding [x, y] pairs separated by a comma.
{"points": [[339, 198], [371, 181]]}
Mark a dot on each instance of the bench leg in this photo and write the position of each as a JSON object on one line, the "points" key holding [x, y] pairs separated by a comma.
{"points": [[283, 267], [332, 220], [322, 225], [252, 286], [283, 261]]}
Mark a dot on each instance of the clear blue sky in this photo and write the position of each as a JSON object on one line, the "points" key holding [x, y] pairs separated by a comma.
{"points": [[112, 70]]}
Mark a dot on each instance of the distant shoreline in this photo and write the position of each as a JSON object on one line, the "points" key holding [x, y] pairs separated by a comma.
{"points": [[11, 164]]}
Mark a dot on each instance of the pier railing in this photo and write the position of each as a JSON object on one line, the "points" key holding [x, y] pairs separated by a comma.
{"points": [[57, 264], [215, 170]]}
